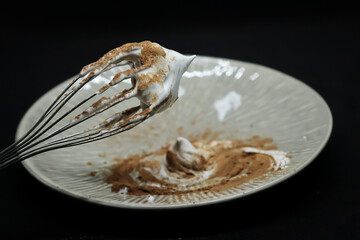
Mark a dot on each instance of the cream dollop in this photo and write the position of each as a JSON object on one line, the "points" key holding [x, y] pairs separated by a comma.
{"points": [[184, 164], [187, 155], [184, 167]]}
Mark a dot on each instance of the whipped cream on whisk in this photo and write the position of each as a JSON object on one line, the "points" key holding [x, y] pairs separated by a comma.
{"points": [[159, 84], [156, 71], [155, 74]]}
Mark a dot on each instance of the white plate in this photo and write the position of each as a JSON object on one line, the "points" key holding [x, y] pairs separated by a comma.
{"points": [[272, 104]]}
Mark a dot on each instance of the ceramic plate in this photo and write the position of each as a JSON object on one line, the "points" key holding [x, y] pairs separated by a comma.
{"points": [[267, 103]]}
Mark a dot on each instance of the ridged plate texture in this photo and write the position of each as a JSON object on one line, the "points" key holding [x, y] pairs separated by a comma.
{"points": [[270, 104]]}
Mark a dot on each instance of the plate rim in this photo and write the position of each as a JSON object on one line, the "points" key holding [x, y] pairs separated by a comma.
{"points": [[208, 201]]}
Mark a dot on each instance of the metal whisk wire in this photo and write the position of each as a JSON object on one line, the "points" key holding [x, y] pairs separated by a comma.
{"points": [[156, 71], [21, 149]]}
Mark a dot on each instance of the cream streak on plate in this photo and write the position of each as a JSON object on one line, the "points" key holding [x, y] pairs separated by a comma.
{"points": [[230, 101]]}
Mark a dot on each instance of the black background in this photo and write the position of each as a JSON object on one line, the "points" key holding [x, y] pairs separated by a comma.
{"points": [[314, 41]]}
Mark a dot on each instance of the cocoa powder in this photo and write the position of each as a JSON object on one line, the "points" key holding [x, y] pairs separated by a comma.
{"points": [[233, 167]]}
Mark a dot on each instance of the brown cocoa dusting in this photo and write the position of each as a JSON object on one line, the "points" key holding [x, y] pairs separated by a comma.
{"points": [[92, 174], [149, 54], [207, 135], [233, 167], [145, 80], [175, 166], [180, 131], [93, 106]]}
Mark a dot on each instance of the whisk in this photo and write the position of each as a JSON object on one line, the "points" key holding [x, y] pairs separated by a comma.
{"points": [[155, 74]]}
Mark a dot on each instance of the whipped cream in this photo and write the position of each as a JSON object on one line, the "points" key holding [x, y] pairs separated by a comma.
{"points": [[183, 158], [170, 69], [187, 155], [185, 165], [155, 74], [280, 157]]}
